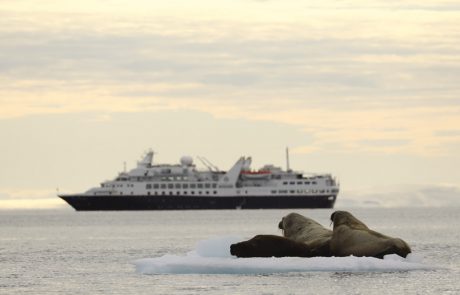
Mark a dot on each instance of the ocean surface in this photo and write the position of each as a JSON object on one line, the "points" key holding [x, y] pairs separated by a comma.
{"points": [[185, 252]]}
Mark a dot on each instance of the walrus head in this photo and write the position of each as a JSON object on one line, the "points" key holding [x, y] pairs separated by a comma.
{"points": [[346, 218], [238, 248], [292, 223], [250, 248]]}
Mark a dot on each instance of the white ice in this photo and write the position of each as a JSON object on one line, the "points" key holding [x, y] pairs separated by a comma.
{"points": [[213, 257]]}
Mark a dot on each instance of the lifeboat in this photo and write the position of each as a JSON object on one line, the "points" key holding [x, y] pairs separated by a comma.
{"points": [[260, 174]]}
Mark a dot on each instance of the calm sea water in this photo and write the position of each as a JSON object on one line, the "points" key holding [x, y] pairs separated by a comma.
{"points": [[67, 252]]}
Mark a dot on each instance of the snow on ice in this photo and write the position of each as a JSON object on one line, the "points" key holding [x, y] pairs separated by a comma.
{"points": [[213, 257]]}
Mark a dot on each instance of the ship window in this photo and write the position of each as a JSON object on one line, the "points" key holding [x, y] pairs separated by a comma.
{"points": [[200, 185], [148, 186], [170, 185], [155, 185], [177, 185], [102, 185], [192, 185], [193, 192], [292, 192], [185, 185], [307, 182], [284, 182], [314, 182], [170, 193], [292, 182], [199, 192], [177, 193], [163, 186], [207, 185], [215, 192], [156, 193], [299, 182], [282, 191], [214, 185], [207, 192], [148, 193], [273, 192], [185, 192]]}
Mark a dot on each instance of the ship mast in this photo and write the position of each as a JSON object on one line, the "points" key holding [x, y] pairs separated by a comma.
{"points": [[288, 169]]}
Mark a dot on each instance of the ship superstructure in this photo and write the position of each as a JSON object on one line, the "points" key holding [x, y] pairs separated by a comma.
{"points": [[183, 186]]}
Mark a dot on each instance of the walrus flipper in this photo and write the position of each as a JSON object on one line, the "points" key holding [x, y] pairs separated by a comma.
{"points": [[321, 249], [393, 249]]}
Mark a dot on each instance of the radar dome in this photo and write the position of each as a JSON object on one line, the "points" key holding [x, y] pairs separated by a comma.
{"points": [[186, 161]]}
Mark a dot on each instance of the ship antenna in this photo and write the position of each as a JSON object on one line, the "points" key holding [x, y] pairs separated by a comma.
{"points": [[204, 163], [288, 169], [124, 166], [214, 167]]}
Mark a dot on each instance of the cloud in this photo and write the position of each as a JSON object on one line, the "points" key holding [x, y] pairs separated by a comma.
{"points": [[340, 73], [29, 199]]}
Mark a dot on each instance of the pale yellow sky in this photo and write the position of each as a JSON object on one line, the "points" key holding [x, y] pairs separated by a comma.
{"points": [[366, 90]]}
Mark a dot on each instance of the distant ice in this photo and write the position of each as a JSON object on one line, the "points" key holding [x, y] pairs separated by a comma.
{"points": [[213, 257], [401, 196]]}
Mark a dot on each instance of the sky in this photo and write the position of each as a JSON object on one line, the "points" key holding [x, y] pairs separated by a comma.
{"points": [[366, 90]]}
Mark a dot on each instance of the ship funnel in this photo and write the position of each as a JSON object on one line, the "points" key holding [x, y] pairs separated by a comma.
{"points": [[147, 160], [247, 164]]}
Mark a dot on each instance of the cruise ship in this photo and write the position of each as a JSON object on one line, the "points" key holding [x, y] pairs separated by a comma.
{"points": [[182, 186]]}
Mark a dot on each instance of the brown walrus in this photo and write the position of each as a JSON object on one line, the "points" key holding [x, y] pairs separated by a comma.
{"points": [[270, 246], [305, 230], [352, 237]]}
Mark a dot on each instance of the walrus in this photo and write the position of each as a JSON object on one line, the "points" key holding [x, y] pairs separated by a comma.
{"points": [[270, 246], [305, 230], [352, 237]]}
